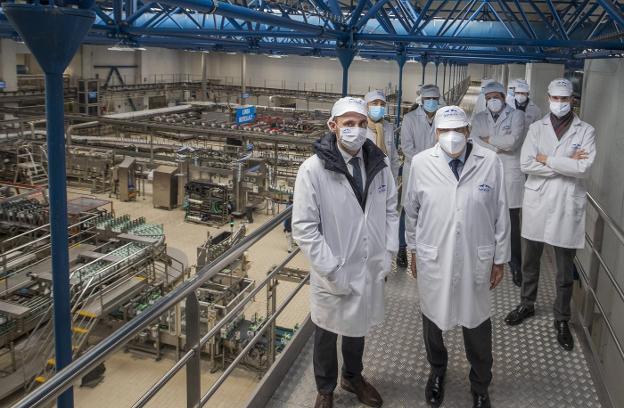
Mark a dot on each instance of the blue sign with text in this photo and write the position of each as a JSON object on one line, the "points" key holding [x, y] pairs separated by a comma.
{"points": [[245, 115]]}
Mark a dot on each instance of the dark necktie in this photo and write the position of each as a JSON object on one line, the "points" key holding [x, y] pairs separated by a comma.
{"points": [[455, 167], [357, 174]]}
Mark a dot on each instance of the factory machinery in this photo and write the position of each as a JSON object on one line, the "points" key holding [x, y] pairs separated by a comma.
{"points": [[113, 260], [218, 296]]}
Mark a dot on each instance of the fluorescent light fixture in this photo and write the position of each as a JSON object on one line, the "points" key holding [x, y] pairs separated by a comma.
{"points": [[125, 48], [275, 56], [230, 53]]}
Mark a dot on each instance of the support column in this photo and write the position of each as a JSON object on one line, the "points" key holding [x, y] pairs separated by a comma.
{"points": [[437, 64], [424, 71], [444, 80], [204, 85], [345, 56], [539, 76], [53, 35], [506, 75], [401, 59], [243, 101]]}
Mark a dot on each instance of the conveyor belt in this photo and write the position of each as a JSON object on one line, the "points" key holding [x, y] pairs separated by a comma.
{"points": [[530, 369]]}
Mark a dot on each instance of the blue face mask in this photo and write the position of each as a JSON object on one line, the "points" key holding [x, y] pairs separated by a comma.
{"points": [[376, 113], [430, 105]]}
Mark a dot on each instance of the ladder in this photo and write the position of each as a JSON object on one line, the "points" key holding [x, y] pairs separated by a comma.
{"points": [[28, 169]]}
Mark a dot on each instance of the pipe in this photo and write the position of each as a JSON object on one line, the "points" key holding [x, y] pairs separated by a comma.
{"points": [[71, 128]]}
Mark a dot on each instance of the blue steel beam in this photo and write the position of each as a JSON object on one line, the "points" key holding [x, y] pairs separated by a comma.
{"points": [[371, 13], [555, 14], [613, 11], [421, 15]]}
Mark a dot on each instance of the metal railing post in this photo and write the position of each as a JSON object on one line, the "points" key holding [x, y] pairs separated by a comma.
{"points": [[594, 268], [193, 366]]}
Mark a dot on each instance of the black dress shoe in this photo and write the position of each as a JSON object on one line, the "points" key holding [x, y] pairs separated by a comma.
{"points": [[401, 259], [324, 401], [564, 336], [434, 391], [518, 315], [480, 401], [365, 392]]}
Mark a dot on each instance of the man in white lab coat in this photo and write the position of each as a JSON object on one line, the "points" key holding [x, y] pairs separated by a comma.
{"points": [[522, 101], [479, 105], [557, 155], [458, 234], [417, 134], [380, 131], [500, 128], [345, 222]]}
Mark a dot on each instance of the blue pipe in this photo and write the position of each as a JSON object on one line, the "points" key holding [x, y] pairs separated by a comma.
{"points": [[371, 12], [58, 227]]}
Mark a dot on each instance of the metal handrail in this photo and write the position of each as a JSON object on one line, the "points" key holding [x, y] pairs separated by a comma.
{"points": [[64, 378], [590, 277]]}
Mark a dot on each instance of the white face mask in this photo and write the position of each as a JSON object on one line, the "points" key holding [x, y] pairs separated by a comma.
{"points": [[521, 98], [452, 142], [495, 105], [560, 109], [353, 138]]}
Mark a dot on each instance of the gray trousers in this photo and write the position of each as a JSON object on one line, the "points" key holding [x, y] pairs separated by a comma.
{"points": [[564, 260]]}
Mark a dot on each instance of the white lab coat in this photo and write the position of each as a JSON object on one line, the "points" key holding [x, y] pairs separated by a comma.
{"points": [[555, 193], [506, 138], [479, 106], [393, 153], [417, 135], [457, 229], [531, 115], [351, 252], [510, 100]]}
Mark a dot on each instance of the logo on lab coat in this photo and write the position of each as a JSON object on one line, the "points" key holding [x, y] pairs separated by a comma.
{"points": [[485, 188], [382, 188]]}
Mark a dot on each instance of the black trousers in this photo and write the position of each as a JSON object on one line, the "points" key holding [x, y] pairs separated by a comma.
{"points": [[516, 240], [478, 346], [564, 260], [326, 359]]}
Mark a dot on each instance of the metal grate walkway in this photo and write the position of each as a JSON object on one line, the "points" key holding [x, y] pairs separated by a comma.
{"points": [[530, 370]]}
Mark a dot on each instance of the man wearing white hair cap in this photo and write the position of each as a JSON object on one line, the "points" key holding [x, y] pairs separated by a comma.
{"points": [[380, 131], [532, 112], [348, 186], [417, 134], [458, 233], [557, 156], [501, 128], [479, 105]]}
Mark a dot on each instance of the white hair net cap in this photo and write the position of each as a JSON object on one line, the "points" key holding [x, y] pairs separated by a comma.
{"points": [[375, 95], [450, 117], [522, 86], [349, 104], [430, 91], [560, 87], [494, 87]]}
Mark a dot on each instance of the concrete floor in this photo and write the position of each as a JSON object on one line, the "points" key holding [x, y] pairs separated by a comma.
{"points": [[128, 375]]}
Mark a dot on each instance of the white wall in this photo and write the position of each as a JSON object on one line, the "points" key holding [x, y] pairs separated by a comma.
{"points": [[8, 69], [539, 76], [603, 107], [320, 74]]}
